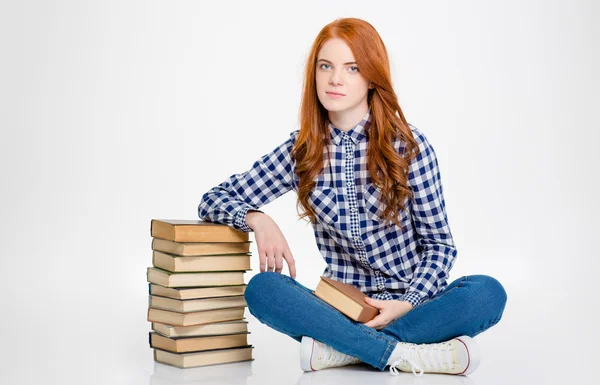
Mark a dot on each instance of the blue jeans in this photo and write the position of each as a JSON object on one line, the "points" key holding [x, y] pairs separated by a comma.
{"points": [[467, 306]]}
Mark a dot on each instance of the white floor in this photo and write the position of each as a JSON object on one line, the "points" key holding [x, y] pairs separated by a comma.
{"points": [[75, 340]]}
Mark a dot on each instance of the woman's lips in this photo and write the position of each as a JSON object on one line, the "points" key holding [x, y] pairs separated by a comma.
{"points": [[334, 95]]}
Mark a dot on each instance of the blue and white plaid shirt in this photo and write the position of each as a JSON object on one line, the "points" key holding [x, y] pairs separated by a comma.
{"points": [[354, 241]]}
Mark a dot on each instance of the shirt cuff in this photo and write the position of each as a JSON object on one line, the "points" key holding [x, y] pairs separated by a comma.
{"points": [[413, 297], [239, 219]]}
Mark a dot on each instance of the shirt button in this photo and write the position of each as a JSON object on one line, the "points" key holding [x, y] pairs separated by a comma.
{"points": [[353, 209], [349, 184], [356, 238], [349, 156]]}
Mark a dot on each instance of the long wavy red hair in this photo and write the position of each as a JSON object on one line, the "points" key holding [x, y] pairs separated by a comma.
{"points": [[387, 168]]}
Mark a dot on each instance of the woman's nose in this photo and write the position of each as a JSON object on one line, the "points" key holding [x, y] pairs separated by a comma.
{"points": [[335, 78]]}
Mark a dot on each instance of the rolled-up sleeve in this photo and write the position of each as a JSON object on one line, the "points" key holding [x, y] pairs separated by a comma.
{"points": [[269, 177], [438, 251]]}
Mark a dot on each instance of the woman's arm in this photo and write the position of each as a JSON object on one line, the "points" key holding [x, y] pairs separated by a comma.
{"points": [[431, 224], [269, 177]]}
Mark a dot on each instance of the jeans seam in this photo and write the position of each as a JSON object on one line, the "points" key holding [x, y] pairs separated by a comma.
{"points": [[384, 354], [281, 330], [487, 327]]}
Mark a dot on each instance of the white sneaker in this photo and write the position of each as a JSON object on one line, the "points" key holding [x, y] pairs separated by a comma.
{"points": [[459, 355], [315, 355]]}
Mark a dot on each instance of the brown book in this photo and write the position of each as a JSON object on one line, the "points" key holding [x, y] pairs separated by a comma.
{"points": [[200, 248], [346, 298], [191, 305], [215, 328], [176, 263], [194, 344], [196, 292], [186, 230], [203, 358], [188, 279], [195, 318]]}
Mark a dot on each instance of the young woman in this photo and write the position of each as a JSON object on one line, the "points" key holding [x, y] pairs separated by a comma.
{"points": [[370, 184]]}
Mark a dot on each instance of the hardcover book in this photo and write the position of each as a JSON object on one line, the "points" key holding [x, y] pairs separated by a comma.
{"points": [[194, 344], [196, 292], [186, 230], [203, 358], [187, 279], [346, 298], [194, 318]]}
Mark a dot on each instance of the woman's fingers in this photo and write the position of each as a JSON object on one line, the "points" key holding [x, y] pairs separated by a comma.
{"points": [[262, 260], [377, 323], [278, 262], [289, 258], [270, 261], [273, 261], [267, 261]]}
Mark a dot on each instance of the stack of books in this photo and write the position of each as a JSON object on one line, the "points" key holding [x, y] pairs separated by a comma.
{"points": [[196, 293]]}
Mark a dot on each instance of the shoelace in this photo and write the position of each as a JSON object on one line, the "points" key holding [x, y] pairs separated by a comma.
{"points": [[425, 354]]}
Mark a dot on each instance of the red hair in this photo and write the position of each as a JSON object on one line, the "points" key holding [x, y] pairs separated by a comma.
{"points": [[387, 168]]}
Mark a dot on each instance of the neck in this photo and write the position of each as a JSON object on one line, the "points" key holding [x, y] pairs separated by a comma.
{"points": [[347, 120]]}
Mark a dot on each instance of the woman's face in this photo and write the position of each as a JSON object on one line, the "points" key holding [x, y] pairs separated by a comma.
{"points": [[336, 72]]}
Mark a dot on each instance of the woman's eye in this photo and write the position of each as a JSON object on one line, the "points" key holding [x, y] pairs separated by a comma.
{"points": [[352, 68]]}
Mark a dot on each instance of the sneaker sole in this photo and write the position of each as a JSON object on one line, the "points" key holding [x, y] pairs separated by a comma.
{"points": [[473, 353], [306, 350]]}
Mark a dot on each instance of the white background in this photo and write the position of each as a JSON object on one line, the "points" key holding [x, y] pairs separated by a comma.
{"points": [[116, 112]]}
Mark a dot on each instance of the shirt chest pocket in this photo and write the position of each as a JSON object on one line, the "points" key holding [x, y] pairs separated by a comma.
{"points": [[372, 198], [324, 202], [372, 202]]}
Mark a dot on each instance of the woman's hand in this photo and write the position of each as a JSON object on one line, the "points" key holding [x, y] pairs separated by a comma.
{"points": [[388, 311], [272, 245]]}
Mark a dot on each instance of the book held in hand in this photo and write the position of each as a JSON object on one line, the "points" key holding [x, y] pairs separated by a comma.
{"points": [[345, 298]]}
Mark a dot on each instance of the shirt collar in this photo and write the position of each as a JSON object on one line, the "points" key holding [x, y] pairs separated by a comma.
{"points": [[355, 134]]}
